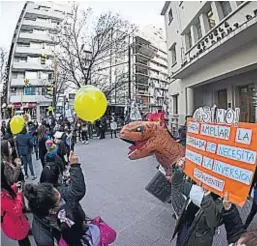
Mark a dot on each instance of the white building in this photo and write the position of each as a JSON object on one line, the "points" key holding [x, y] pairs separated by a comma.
{"points": [[150, 69], [31, 57], [142, 67], [212, 54]]}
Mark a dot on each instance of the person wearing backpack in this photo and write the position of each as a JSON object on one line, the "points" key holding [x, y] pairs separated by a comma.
{"points": [[25, 145], [13, 222]]}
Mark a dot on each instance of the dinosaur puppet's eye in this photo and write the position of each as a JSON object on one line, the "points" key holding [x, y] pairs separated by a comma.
{"points": [[139, 129]]}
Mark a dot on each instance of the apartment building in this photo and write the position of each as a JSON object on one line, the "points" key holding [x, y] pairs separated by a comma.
{"points": [[140, 71], [212, 56], [150, 69], [31, 59]]}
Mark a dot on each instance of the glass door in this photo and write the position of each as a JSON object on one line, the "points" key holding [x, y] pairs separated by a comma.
{"points": [[247, 109]]}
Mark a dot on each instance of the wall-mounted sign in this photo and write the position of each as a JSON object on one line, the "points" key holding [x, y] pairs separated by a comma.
{"points": [[221, 152]]}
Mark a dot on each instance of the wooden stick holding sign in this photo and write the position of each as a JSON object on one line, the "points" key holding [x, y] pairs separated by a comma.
{"points": [[221, 152]]}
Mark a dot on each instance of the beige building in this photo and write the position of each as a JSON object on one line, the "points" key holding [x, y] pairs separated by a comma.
{"points": [[212, 55], [31, 57]]}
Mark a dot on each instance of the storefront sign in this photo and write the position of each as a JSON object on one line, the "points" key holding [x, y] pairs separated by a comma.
{"points": [[25, 105], [221, 153]]}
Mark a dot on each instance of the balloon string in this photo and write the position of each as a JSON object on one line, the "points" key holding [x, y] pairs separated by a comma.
{"points": [[15, 146]]}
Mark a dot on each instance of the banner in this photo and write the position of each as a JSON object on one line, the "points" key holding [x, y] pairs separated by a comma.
{"points": [[221, 154]]}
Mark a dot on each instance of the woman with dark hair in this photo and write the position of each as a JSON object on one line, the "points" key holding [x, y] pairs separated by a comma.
{"points": [[13, 222], [45, 199], [51, 174], [42, 138], [12, 166]]}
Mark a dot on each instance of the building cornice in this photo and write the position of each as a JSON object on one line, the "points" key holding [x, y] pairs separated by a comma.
{"points": [[165, 7]]}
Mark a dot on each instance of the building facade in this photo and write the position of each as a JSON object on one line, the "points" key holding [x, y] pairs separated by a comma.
{"points": [[212, 55], [31, 59], [138, 72], [150, 69]]}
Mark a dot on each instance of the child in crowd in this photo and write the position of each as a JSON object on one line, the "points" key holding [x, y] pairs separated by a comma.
{"points": [[74, 230]]}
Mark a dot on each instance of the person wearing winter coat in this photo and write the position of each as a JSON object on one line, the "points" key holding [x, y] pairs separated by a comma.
{"points": [[232, 221], [113, 125], [52, 155], [198, 221], [102, 127], [12, 165], [24, 146], [46, 198], [84, 132], [42, 138], [13, 222]]}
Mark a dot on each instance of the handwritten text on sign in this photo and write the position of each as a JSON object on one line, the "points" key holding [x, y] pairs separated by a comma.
{"points": [[222, 157]]}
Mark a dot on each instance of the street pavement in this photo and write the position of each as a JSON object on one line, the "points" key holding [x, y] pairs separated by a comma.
{"points": [[116, 192]]}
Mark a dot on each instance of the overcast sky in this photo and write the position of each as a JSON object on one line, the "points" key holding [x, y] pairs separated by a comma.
{"points": [[139, 12]]}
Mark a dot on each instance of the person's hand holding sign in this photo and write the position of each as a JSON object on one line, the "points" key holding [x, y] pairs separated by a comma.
{"points": [[226, 203], [181, 163]]}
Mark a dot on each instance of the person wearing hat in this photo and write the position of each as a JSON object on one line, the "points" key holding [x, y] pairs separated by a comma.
{"points": [[52, 155]]}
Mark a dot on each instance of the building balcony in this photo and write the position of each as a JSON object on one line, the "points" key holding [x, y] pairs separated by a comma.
{"points": [[35, 37], [31, 66], [43, 24], [228, 36], [31, 9], [33, 82], [145, 50], [29, 98], [34, 51]]}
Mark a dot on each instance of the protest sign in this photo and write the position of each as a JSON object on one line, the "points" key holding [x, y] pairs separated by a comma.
{"points": [[221, 153]]}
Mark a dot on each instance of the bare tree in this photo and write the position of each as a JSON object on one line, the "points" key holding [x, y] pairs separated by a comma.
{"points": [[3, 60], [86, 45]]}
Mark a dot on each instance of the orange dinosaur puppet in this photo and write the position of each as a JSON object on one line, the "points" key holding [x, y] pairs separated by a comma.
{"points": [[149, 138]]}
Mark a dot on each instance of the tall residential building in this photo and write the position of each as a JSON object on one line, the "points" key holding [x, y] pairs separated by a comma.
{"points": [[31, 59], [150, 69], [140, 71], [212, 55]]}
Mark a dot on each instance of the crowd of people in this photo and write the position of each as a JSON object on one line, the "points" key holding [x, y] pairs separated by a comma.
{"points": [[55, 200]]}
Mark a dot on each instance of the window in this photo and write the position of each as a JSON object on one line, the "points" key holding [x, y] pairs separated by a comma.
{"points": [[30, 91], [222, 99], [14, 75], [23, 45], [188, 40], [170, 16], [175, 104], [45, 8], [199, 30], [226, 8], [211, 19], [173, 54], [20, 59]]}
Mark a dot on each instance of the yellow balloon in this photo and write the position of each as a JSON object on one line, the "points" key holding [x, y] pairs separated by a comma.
{"points": [[90, 103], [17, 124]]}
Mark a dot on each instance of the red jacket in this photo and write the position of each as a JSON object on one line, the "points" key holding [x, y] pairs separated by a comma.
{"points": [[14, 223]]}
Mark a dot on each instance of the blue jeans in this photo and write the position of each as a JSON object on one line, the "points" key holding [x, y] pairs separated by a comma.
{"points": [[35, 145], [27, 161]]}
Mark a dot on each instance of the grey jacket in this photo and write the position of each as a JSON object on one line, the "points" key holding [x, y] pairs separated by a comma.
{"points": [[206, 220], [45, 231]]}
